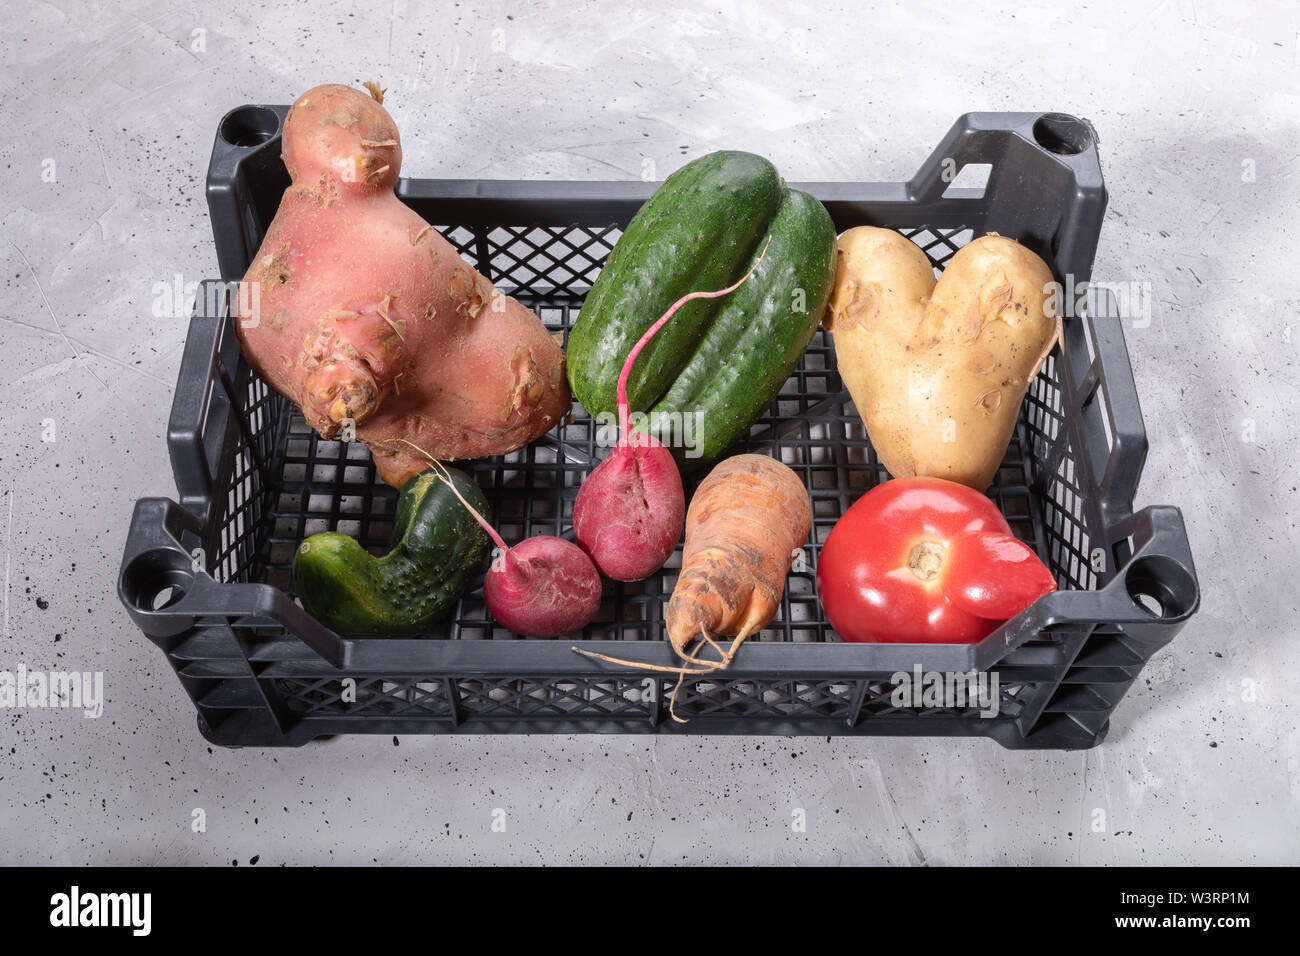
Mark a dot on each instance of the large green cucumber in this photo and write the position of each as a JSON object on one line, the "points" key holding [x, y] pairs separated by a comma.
{"points": [[437, 547], [696, 233], [757, 336], [726, 358]]}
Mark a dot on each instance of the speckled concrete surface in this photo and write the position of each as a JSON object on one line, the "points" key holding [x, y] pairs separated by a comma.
{"points": [[1198, 108]]}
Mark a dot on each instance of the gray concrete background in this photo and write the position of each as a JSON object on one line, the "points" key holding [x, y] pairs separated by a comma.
{"points": [[1197, 107]]}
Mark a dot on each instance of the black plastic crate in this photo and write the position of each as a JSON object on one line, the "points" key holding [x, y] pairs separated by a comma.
{"points": [[207, 578]]}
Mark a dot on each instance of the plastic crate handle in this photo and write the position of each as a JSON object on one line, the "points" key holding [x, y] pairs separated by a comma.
{"points": [[1050, 155], [167, 592], [1155, 590], [201, 411], [1128, 452]]}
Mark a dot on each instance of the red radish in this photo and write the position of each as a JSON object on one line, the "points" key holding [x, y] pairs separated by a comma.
{"points": [[542, 587], [630, 511]]}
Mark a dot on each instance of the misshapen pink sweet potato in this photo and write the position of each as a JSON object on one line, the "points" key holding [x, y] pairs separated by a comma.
{"points": [[365, 313]]}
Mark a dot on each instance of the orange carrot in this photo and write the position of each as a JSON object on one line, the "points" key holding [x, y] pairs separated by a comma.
{"points": [[745, 526]]}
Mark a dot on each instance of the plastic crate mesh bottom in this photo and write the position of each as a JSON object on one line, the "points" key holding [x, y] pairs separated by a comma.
{"points": [[289, 483]]}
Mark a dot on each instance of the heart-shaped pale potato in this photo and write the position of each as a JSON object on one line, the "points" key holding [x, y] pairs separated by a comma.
{"points": [[938, 370]]}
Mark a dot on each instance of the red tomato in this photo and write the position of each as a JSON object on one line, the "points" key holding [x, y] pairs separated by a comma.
{"points": [[925, 561]]}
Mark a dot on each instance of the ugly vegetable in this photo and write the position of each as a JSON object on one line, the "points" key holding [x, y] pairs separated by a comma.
{"points": [[747, 522], [369, 319], [925, 561], [707, 376], [436, 549], [938, 370]]}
